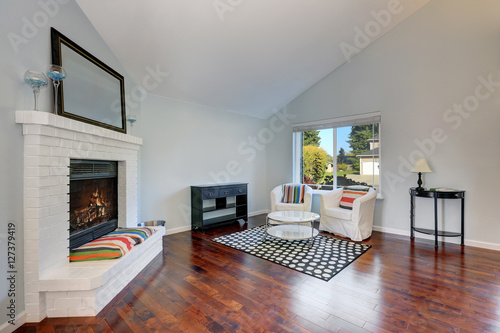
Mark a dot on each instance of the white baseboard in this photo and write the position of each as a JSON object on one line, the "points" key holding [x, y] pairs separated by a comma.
{"points": [[406, 233], [177, 230], [188, 228], [391, 231], [18, 322], [451, 240], [259, 212], [483, 245]]}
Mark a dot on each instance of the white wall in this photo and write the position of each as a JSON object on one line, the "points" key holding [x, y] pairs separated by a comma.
{"points": [[413, 75], [187, 144], [28, 23]]}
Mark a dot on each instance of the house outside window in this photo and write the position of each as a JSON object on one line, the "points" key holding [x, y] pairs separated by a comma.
{"points": [[369, 160], [338, 152]]}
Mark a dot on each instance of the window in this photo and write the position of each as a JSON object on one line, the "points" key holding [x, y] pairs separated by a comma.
{"points": [[338, 152]]}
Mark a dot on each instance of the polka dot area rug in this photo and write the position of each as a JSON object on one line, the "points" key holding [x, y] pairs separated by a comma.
{"points": [[327, 256]]}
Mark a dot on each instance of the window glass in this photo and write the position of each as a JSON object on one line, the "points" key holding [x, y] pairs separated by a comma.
{"points": [[339, 156]]}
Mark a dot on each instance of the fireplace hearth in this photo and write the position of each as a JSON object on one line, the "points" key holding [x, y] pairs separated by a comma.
{"points": [[93, 200]]}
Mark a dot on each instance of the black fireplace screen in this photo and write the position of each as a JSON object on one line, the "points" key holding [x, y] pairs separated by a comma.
{"points": [[93, 200]]}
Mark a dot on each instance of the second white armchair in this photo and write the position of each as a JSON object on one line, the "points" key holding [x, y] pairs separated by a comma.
{"points": [[356, 224]]}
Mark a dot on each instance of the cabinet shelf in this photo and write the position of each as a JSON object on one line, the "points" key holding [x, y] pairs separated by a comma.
{"points": [[439, 233], [215, 220], [217, 204]]}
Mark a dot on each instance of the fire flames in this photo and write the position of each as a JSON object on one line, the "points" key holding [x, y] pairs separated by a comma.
{"points": [[97, 210]]}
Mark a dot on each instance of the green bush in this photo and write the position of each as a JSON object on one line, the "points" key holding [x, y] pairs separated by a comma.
{"points": [[314, 163], [341, 167]]}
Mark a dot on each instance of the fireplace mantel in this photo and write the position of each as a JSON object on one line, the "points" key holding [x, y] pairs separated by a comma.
{"points": [[55, 121], [50, 141]]}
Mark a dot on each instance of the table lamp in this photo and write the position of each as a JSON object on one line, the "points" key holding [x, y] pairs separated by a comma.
{"points": [[421, 166]]}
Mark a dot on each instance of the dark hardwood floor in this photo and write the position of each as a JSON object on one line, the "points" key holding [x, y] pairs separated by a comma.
{"points": [[398, 285]]}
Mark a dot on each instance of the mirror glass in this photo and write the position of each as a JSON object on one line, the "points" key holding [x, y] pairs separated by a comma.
{"points": [[91, 92]]}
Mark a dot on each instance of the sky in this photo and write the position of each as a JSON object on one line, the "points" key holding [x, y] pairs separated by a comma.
{"points": [[326, 142]]}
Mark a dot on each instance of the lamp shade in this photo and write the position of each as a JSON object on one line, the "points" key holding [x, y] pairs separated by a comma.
{"points": [[422, 166]]}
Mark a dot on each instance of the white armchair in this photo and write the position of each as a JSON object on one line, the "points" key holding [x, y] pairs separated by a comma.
{"points": [[277, 197], [356, 224]]}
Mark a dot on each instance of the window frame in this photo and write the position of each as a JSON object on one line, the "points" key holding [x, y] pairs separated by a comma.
{"points": [[334, 123]]}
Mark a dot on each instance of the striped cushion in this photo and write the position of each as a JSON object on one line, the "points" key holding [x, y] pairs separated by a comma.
{"points": [[293, 194], [102, 248], [111, 246], [138, 234], [350, 194]]}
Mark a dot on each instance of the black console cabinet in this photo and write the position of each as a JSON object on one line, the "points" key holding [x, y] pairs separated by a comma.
{"points": [[217, 204]]}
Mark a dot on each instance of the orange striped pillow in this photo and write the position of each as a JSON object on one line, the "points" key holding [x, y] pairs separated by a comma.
{"points": [[350, 194]]}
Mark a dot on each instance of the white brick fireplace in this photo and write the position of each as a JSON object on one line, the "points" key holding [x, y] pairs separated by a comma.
{"points": [[53, 286]]}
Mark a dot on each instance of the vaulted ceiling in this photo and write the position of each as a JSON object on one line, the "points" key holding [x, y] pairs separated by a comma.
{"points": [[245, 56]]}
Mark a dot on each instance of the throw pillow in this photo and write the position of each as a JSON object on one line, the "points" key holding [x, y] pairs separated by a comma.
{"points": [[113, 245], [350, 194], [138, 234], [293, 194], [102, 248]]}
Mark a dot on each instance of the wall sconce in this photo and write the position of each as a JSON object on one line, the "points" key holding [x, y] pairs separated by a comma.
{"points": [[132, 119], [421, 166]]}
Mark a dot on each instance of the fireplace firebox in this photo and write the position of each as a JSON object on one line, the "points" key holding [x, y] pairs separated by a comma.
{"points": [[93, 200]]}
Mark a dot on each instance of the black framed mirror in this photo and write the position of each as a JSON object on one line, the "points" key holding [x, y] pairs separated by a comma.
{"points": [[92, 92]]}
